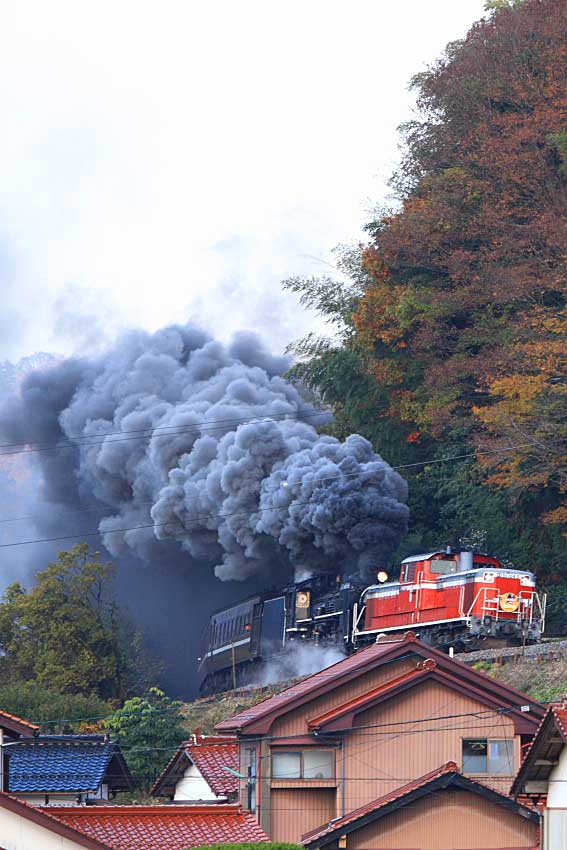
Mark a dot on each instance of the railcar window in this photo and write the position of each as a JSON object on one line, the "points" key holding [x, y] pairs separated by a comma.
{"points": [[481, 755], [443, 567], [408, 573]]}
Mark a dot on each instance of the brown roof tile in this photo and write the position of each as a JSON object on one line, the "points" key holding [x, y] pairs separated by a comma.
{"points": [[442, 777], [259, 717]]}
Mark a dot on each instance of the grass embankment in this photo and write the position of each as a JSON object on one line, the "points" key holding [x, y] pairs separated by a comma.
{"points": [[543, 679], [204, 714]]}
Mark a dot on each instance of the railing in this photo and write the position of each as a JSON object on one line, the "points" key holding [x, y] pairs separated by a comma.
{"points": [[530, 605]]}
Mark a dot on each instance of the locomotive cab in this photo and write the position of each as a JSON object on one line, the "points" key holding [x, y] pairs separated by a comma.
{"points": [[454, 598]]}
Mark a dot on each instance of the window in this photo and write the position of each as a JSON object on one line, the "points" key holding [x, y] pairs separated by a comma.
{"points": [[408, 572], [286, 766], [318, 764], [483, 756], [310, 764], [443, 567], [250, 772]]}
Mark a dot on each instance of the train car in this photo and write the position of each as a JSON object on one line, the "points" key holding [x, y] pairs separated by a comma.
{"points": [[453, 598], [240, 639], [449, 598]]}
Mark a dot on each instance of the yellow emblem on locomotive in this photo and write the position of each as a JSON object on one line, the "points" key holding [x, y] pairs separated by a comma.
{"points": [[509, 602]]}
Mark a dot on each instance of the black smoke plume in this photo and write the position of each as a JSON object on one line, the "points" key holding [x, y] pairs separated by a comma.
{"points": [[201, 456], [180, 437]]}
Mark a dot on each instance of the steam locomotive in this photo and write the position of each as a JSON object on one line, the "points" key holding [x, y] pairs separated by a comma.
{"points": [[449, 598]]}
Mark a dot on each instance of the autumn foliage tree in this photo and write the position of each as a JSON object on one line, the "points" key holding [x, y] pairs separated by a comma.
{"points": [[465, 317], [449, 329]]}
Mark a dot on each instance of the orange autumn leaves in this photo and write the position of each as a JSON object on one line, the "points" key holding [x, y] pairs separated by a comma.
{"points": [[465, 319]]}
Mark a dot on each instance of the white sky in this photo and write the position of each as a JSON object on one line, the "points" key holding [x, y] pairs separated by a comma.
{"points": [[174, 161]]}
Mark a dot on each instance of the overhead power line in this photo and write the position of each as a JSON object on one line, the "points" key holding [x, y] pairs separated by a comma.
{"points": [[150, 432], [393, 726], [205, 517]]}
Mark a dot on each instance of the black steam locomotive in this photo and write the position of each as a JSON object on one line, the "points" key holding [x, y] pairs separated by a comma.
{"points": [[449, 597], [239, 639]]}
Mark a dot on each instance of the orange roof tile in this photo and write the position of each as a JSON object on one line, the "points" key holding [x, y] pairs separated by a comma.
{"points": [[16, 724], [211, 754], [161, 827]]}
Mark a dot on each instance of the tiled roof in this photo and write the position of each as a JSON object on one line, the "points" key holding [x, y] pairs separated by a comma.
{"points": [[356, 662], [259, 717], [560, 714], [66, 763], [211, 754], [162, 827], [443, 777], [16, 724]]}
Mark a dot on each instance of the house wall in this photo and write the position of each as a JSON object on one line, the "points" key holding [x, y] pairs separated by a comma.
{"points": [[447, 820], [557, 789], [49, 799], [295, 722], [296, 811], [18, 833], [380, 759], [555, 815], [192, 786]]}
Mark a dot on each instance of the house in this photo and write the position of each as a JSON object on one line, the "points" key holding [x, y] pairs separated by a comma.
{"points": [[444, 808], [12, 729], [162, 827], [64, 770], [200, 771], [367, 726], [542, 778], [24, 827]]}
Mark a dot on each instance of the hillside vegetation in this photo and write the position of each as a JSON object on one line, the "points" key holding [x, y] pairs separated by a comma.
{"points": [[449, 349]]}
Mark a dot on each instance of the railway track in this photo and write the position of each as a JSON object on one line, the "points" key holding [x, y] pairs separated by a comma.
{"points": [[549, 650]]}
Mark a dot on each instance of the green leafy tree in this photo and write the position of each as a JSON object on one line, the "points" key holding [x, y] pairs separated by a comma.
{"points": [[41, 705], [66, 633], [149, 728]]}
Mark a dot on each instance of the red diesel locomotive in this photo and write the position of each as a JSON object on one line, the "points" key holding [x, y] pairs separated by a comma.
{"points": [[451, 598]]}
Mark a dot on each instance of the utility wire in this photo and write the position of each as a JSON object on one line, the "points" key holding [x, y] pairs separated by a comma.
{"points": [[150, 432], [326, 480], [392, 725]]}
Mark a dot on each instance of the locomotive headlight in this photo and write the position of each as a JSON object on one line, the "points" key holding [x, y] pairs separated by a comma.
{"points": [[302, 599], [526, 580], [382, 576], [488, 576]]}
